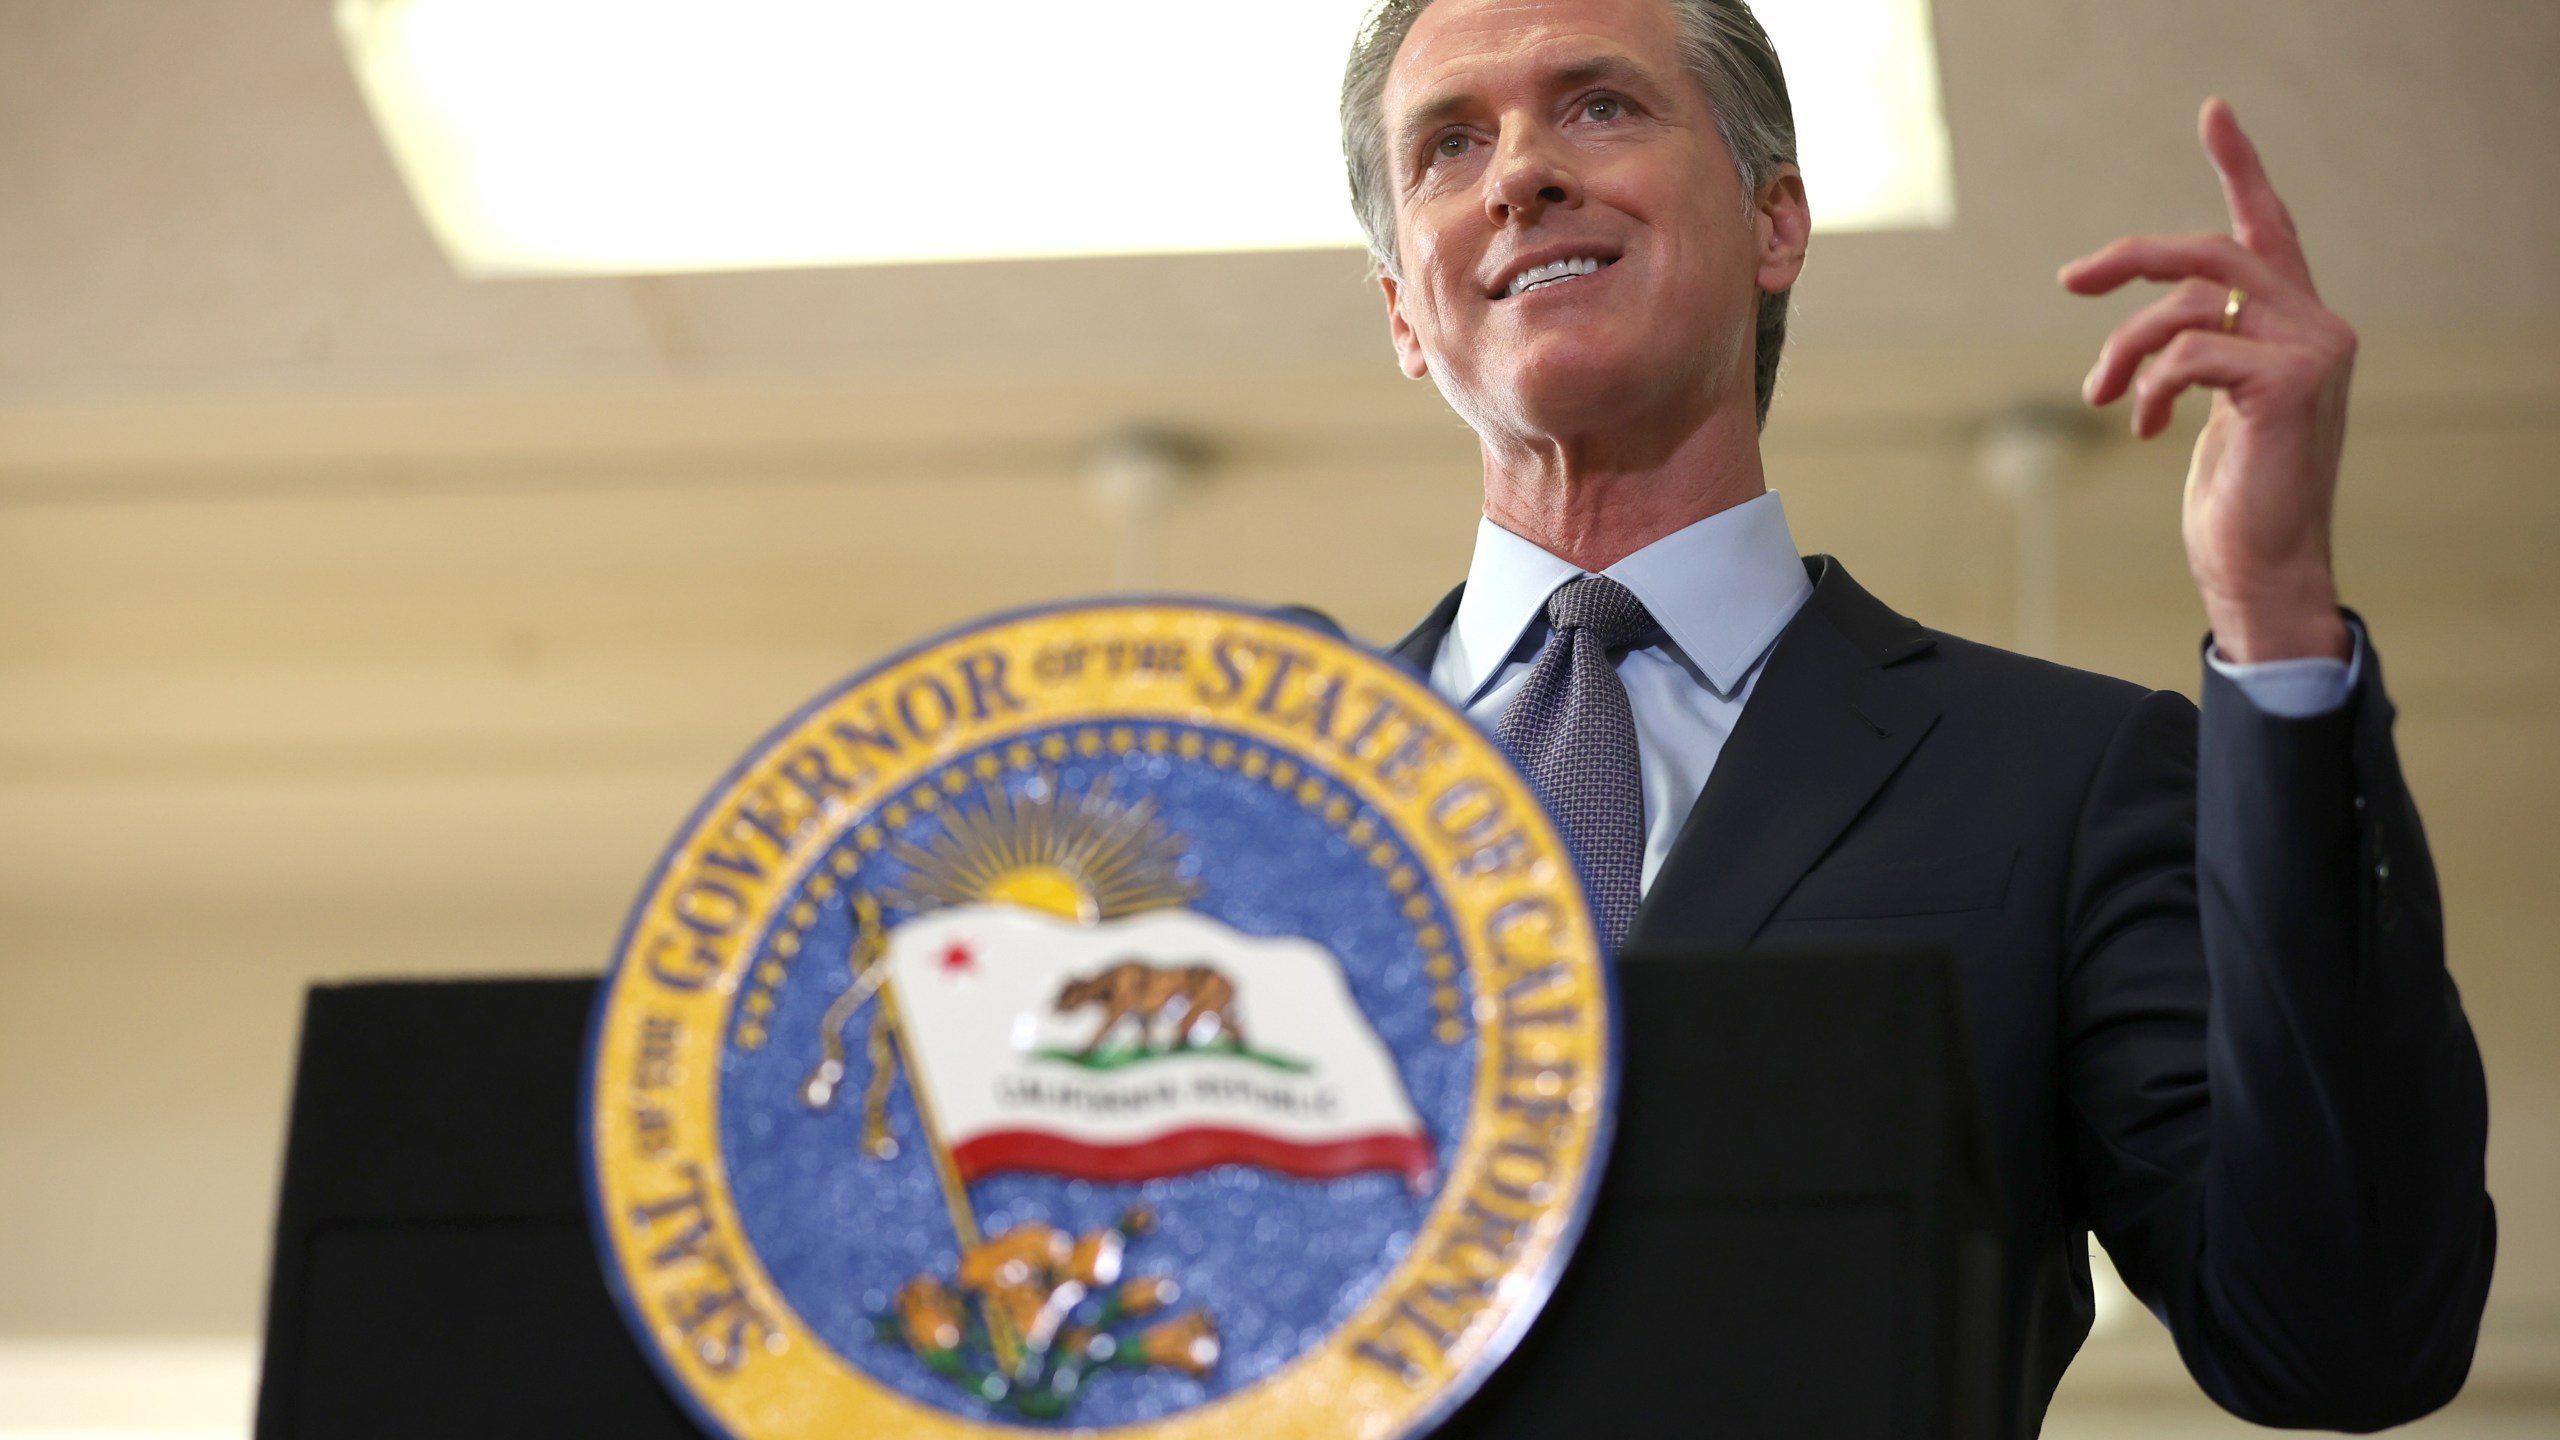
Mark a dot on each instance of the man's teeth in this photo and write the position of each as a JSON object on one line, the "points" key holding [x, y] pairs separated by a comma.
{"points": [[1554, 270]]}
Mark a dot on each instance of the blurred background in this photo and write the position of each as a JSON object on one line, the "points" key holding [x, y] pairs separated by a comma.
{"points": [[360, 619]]}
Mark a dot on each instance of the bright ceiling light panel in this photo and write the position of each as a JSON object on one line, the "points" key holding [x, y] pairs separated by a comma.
{"points": [[555, 137], [1863, 75]]}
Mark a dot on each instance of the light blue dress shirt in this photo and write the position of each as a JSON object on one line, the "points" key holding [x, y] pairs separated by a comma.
{"points": [[1722, 590]]}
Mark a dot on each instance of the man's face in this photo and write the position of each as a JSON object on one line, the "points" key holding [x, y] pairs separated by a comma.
{"points": [[1573, 241]]}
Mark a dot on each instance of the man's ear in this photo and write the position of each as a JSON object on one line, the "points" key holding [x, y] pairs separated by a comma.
{"points": [[1408, 345], [1785, 225]]}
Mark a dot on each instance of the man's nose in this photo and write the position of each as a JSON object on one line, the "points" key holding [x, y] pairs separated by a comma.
{"points": [[1531, 172]]}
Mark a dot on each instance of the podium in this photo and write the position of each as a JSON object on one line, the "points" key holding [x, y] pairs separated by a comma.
{"points": [[1796, 1235]]}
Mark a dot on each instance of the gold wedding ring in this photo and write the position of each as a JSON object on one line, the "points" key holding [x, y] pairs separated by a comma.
{"points": [[2231, 309]]}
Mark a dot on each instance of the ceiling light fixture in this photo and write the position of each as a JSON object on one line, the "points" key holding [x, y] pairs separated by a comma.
{"points": [[551, 137]]}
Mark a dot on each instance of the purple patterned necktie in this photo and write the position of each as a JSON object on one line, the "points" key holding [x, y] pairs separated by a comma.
{"points": [[1570, 727]]}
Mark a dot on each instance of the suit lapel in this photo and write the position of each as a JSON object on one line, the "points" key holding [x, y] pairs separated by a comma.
{"points": [[1828, 724], [1421, 645]]}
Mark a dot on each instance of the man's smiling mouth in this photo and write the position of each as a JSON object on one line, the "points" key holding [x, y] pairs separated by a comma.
{"points": [[1555, 272]]}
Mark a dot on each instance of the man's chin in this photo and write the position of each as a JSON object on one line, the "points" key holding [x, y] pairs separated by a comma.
{"points": [[1562, 393]]}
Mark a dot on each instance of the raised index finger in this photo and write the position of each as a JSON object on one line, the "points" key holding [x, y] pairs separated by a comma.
{"points": [[2259, 219]]}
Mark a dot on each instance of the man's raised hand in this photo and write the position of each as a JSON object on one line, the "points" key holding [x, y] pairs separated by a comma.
{"points": [[2263, 482]]}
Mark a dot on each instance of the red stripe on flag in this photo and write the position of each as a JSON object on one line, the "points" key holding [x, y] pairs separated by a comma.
{"points": [[1183, 1151]]}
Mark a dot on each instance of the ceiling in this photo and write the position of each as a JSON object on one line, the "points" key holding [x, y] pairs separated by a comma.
{"points": [[198, 207]]}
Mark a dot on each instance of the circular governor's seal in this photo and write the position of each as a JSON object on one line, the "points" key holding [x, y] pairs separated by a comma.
{"points": [[1154, 1018]]}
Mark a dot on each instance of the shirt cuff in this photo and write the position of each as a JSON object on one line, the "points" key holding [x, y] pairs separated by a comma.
{"points": [[2295, 689]]}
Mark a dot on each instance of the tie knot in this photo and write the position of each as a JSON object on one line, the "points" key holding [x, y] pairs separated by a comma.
{"points": [[1607, 610]]}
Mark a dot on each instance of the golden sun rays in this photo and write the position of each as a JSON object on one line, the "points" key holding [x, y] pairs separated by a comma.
{"points": [[1087, 858]]}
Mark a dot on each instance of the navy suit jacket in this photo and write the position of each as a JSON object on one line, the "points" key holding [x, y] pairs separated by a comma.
{"points": [[2204, 967]]}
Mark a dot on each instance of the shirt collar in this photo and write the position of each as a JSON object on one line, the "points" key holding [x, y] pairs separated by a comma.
{"points": [[1721, 588]]}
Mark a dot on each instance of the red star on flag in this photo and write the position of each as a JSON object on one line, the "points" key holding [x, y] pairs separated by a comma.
{"points": [[956, 958]]}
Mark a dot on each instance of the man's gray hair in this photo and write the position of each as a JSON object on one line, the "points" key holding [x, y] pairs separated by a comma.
{"points": [[1727, 52]]}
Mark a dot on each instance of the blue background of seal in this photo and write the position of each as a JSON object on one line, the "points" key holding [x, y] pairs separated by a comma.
{"points": [[1278, 1262]]}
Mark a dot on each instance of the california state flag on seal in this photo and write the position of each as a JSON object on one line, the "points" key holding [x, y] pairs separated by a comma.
{"points": [[1154, 1045]]}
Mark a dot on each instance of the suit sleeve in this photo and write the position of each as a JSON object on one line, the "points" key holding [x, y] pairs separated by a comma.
{"points": [[2276, 1113]]}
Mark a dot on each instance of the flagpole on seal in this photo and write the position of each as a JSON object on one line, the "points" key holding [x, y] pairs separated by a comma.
{"points": [[955, 1191], [1009, 1346], [869, 962], [871, 981]]}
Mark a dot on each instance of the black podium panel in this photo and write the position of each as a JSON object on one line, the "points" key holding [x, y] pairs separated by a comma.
{"points": [[433, 1274], [1795, 1237]]}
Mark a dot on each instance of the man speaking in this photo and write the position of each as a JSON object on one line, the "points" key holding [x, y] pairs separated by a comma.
{"points": [[2203, 955]]}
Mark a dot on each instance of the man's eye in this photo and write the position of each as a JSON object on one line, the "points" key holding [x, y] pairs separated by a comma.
{"points": [[1451, 147], [1603, 109]]}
